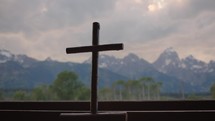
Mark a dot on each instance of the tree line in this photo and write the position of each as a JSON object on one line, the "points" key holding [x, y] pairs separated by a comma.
{"points": [[145, 88], [67, 86]]}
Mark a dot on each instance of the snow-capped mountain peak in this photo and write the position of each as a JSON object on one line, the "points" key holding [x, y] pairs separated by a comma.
{"points": [[6, 53], [169, 50], [168, 57], [211, 66], [5, 56], [104, 61], [194, 64], [131, 58], [190, 57], [168, 60]]}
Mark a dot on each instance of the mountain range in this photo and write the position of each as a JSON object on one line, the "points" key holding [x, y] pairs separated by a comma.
{"points": [[176, 75]]}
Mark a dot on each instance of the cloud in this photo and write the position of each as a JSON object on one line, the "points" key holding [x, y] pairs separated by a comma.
{"points": [[45, 28], [43, 15], [14, 15], [189, 8]]}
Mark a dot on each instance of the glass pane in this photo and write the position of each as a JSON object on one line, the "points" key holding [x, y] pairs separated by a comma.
{"points": [[168, 49]]}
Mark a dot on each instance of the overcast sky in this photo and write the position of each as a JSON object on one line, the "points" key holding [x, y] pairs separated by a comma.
{"points": [[44, 28]]}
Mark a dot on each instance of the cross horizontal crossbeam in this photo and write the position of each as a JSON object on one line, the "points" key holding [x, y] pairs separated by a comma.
{"points": [[94, 48]]}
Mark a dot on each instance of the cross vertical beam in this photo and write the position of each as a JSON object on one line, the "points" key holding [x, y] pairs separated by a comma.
{"points": [[94, 77], [95, 48]]}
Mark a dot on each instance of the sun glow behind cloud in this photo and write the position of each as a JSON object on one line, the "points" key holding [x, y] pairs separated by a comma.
{"points": [[156, 5]]}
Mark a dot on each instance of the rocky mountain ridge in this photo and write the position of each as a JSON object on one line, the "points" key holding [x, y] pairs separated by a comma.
{"points": [[21, 71]]}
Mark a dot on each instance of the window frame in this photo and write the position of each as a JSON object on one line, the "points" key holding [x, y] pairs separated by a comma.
{"points": [[179, 110]]}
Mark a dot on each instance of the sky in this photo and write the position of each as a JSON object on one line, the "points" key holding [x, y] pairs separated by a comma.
{"points": [[45, 28]]}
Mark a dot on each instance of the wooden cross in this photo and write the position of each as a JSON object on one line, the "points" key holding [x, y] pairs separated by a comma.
{"points": [[95, 48]]}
